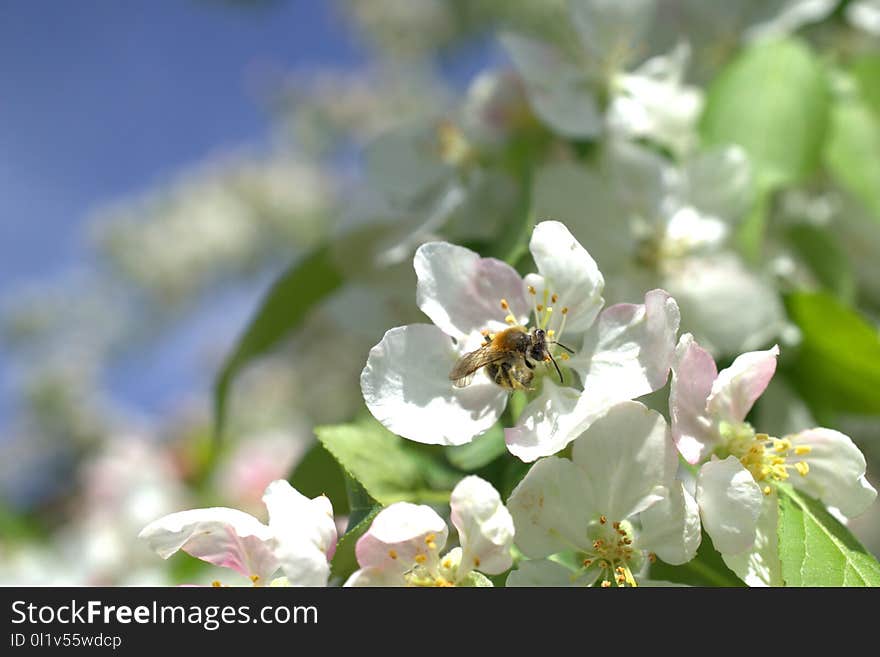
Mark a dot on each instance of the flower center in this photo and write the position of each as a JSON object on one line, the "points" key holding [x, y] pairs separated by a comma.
{"points": [[428, 569], [765, 457], [547, 318], [612, 552]]}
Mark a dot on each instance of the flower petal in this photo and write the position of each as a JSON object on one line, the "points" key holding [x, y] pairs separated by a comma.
{"points": [[543, 572], [221, 536], [406, 386], [730, 502], [557, 90], [462, 292], [551, 508], [671, 527], [693, 372], [305, 533], [837, 470], [366, 577], [608, 28], [568, 271], [759, 565], [485, 527], [719, 182], [737, 387], [550, 421], [398, 534], [626, 455], [629, 351]]}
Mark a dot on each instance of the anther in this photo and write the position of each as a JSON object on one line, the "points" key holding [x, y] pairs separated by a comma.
{"points": [[606, 584], [652, 557], [216, 584], [421, 558], [505, 305], [628, 540], [510, 319], [603, 519], [588, 563], [554, 298], [802, 450], [476, 562], [616, 525], [254, 579], [532, 290], [392, 554], [598, 543], [802, 468], [565, 310], [539, 308], [767, 490]]}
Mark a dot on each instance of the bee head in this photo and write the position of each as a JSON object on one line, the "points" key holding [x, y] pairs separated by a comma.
{"points": [[540, 334]]}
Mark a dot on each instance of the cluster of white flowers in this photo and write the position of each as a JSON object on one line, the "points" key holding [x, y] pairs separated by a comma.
{"points": [[606, 495]]}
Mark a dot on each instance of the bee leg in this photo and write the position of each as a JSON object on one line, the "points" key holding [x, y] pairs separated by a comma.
{"points": [[529, 363]]}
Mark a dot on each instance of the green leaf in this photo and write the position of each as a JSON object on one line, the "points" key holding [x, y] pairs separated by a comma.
{"points": [[479, 452], [318, 473], [773, 100], [853, 152], [389, 468], [707, 568], [866, 71], [822, 253], [816, 550], [344, 561], [284, 307], [837, 366], [475, 579]]}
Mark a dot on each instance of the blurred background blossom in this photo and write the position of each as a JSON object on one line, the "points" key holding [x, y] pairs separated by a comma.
{"points": [[161, 168]]}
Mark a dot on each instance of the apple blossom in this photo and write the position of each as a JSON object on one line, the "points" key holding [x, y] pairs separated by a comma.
{"points": [[621, 353], [402, 546], [741, 467], [614, 506], [300, 538]]}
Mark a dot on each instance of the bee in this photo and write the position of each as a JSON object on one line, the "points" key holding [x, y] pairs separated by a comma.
{"points": [[507, 357]]}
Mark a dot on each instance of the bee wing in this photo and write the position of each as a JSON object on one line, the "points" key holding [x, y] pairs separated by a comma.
{"points": [[466, 366]]}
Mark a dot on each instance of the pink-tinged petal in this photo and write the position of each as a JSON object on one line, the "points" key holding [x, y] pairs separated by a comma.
{"points": [[836, 470], [730, 501], [628, 458], [569, 272], [223, 537], [305, 533], [485, 527], [671, 527], [398, 534], [462, 292], [551, 508], [406, 386], [759, 565], [550, 421], [693, 372], [629, 352], [738, 387]]}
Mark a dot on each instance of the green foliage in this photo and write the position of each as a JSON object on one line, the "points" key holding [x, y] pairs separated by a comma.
{"points": [[344, 561], [389, 468], [853, 152], [318, 473], [773, 100], [866, 71], [838, 364], [288, 302], [707, 568], [821, 251], [816, 550], [480, 452]]}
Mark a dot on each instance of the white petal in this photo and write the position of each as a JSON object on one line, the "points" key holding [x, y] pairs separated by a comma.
{"points": [[708, 287], [406, 386], [550, 421], [541, 572], [719, 182], [693, 373], [626, 456], [759, 565], [642, 179], [551, 508], [366, 577], [305, 533], [558, 91], [609, 27], [629, 352], [789, 17], [400, 532], [485, 526], [568, 271], [671, 527], [737, 387], [462, 292], [837, 471], [223, 537], [865, 14], [730, 501]]}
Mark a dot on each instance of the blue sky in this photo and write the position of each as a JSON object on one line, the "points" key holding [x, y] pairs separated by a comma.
{"points": [[101, 99]]}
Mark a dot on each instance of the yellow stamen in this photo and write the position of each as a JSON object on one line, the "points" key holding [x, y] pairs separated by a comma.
{"points": [[767, 490], [802, 468], [554, 298], [216, 583], [392, 554], [539, 307], [606, 584], [510, 319], [255, 579], [476, 562], [803, 450], [565, 310], [421, 558], [505, 305], [603, 519], [532, 290]]}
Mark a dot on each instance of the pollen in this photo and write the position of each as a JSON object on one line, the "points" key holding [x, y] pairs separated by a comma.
{"points": [[510, 319], [392, 554], [767, 490], [551, 333], [216, 584], [447, 564], [532, 290], [802, 468], [603, 519], [421, 558], [588, 563], [565, 310], [539, 308], [505, 305], [476, 562], [254, 579], [554, 298], [803, 450], [606, 584], [652, 557], [564, 356]]}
